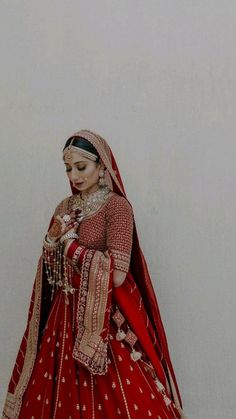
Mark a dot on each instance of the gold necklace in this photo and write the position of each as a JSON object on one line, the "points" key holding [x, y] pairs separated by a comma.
{"points": [[91, 202]]}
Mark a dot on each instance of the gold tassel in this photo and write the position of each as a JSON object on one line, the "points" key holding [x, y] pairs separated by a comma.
{"points": [[120, 335], [119, 320], [135, 355]]}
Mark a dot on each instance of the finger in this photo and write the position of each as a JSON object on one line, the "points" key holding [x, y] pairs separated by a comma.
{"points": [[59, 218], [75, 226], [71, 228], [70, 224], [76, 211], [73, 211], [72, 215]]}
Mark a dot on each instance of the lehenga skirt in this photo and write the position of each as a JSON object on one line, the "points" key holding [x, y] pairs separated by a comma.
{"points": [[60, 387]]}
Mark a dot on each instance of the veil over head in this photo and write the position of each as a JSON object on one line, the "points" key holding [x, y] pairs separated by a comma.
{"points": [[138, 266]]}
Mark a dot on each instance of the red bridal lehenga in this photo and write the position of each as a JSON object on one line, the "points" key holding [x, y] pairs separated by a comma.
{"points": [[92, 350]]}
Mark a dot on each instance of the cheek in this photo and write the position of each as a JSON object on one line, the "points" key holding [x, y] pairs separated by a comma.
{"points": [[91, 173]]}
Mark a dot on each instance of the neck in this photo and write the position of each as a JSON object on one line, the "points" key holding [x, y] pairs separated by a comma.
{"points": [[94, 188]]}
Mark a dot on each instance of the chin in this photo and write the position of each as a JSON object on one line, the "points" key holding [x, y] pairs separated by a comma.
{"points": [[79, 188]]}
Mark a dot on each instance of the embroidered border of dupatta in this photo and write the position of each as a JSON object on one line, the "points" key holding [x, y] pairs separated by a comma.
{"points": [[13, 401], [94, 304]]}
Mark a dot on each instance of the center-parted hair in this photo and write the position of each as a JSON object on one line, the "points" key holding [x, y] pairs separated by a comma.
{"points": [[81, 142]]}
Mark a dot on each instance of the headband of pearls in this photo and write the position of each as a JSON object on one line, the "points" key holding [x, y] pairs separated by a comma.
{"points": [[85, 153]]}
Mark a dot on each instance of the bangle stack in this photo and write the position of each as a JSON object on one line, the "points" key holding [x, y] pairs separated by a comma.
{"points": [[49, 244], [68, 236]]}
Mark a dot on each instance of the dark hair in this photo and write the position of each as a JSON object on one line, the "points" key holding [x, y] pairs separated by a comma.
{"points": [[84, 144]]}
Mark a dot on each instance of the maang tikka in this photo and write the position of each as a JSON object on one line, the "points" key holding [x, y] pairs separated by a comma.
{"points": [[68, 151], [85, 153]]}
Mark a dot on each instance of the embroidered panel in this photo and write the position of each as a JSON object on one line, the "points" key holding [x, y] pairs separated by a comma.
{"points": [[111, 227], [93, 312], [119, 232]]}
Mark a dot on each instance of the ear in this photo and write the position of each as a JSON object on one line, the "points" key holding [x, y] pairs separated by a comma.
{"points": [[101, 166]]}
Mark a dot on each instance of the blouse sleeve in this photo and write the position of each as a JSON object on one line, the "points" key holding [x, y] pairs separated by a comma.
{"points": [[119, 231]]}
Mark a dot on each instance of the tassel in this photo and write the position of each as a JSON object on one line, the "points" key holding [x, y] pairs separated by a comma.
{"points": [[167, 401], [161, 389], [119, 320], [135, 355], [120, 335], [159, 385], [52, 293], [131, 339]]}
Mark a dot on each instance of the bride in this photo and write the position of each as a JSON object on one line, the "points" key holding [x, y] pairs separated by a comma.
{"points": [[94, 344]]}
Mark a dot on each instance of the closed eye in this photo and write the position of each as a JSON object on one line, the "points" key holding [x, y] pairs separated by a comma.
{"points": [[68, 169]]}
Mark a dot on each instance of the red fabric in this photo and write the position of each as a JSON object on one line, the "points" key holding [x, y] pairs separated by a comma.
{"points": [[71, 249], [122, 297]]}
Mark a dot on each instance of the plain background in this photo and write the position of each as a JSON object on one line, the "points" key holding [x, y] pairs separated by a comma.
{"points": [[157, 79]]}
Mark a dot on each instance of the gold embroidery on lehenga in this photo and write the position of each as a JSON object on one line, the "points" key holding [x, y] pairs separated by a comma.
{"points": [[13, 401], [92, 396], [121, 386], [61, 361]]}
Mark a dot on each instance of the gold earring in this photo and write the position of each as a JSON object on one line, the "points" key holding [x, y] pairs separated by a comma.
{"points": [[101, 180]]}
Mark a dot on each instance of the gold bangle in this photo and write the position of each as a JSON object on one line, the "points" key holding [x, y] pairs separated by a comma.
{"points": [[49, 244]]}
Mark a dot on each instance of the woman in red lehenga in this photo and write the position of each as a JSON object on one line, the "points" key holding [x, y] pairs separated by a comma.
{"points": [[94, 345]]}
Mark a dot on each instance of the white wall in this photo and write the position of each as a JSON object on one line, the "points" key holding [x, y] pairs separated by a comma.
{"points": [[157, 79]]}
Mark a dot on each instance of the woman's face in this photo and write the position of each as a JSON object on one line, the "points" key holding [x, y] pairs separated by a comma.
{"points": [[82, 172]]}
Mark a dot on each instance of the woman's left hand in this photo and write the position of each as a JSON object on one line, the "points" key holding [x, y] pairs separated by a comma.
{"points": [[118, 277], [66, 236]]}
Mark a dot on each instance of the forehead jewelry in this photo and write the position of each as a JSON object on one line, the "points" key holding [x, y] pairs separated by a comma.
{"points": [[67, 151], [85, 153]]}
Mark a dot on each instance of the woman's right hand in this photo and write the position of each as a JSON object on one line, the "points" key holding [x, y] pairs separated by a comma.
{"points": [[60, 226]]}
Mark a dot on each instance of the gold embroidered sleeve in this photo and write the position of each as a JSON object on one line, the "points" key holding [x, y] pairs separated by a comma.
{"points": [[62, 207], [119, 232]]}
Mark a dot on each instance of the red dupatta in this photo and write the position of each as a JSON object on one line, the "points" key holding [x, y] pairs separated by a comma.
{"points": [[138, 266]]}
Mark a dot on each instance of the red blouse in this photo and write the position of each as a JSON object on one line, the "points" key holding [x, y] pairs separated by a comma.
{"points": [[110, 227]]}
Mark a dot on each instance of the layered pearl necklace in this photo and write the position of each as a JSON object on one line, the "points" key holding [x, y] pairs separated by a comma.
{"points": [[91, 201]]}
